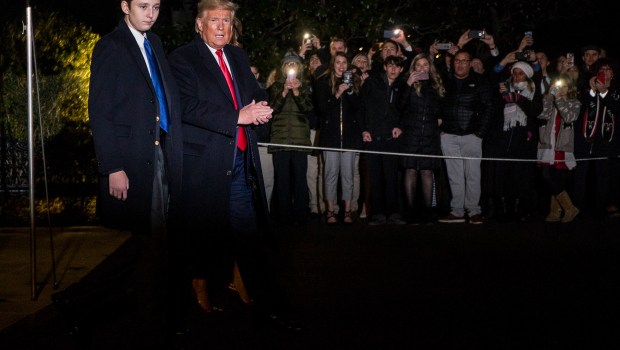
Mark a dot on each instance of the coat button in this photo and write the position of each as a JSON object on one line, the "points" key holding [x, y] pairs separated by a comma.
{"points": [[149, 162], [228, 172]]}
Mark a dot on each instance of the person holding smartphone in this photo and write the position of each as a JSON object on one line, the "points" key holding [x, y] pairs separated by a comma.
{"points": [[309, 43], [420, 106], [596, 138], [337, 103], [512, 135], [291, 100], [555, 146], [388, 48]]}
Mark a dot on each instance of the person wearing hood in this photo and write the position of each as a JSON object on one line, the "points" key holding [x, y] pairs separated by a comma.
{"points": [[291, 100]]}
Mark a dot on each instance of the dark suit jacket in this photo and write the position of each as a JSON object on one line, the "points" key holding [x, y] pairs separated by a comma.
{"points": [[209, 128], [123, 113]]}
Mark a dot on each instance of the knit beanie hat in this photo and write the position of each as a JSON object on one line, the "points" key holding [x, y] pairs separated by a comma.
{"points": [[291, 57], [525, 67]]}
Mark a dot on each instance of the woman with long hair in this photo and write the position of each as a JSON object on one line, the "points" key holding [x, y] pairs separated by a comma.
{"points": [[337, 102], [420, 132]]}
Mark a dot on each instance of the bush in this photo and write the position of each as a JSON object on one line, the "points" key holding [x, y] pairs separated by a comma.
{"points": [[64, 211]]}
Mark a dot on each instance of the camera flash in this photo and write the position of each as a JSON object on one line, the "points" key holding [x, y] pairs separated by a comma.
{"points": [[306, 36], [396, 31], [558, 83]]}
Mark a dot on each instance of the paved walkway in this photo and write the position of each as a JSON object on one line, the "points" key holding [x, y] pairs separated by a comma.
{"points": [[78, 250]]}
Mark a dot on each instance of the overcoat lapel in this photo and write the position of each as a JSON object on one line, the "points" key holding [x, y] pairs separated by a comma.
{"points": [[213, 67], [136, 54]]}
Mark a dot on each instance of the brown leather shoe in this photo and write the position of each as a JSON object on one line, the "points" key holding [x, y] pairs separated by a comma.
{"points": [[199, 286], [238, 286]]}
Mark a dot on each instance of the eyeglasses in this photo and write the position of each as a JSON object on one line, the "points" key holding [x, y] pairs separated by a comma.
{"points": [[461, 61]]}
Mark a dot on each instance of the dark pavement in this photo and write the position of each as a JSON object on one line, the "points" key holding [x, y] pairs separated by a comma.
{"points": [[527, 285]]}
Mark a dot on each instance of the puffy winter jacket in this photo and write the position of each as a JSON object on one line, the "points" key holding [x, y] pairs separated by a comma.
{"points": [[289, 124], [467, 106]]}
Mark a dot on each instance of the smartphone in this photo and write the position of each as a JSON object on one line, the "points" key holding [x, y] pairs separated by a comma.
{"points": [[291, 75], [307, 38], [422, 75], [570, 59], [389, 34], [477, 34], [347, 77], [554, 90], [444, 46], [522, 56], [528, 33], [556, 86], [601, 77]]}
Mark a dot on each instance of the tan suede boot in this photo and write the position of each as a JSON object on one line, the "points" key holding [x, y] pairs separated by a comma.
{"points": [[555, 211], [570, 211]]}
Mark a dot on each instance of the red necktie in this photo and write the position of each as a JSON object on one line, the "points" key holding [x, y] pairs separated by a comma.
{"points": [[242, 142]]}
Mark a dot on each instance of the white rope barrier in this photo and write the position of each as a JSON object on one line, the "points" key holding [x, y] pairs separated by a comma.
{"points": [[265, 144]]}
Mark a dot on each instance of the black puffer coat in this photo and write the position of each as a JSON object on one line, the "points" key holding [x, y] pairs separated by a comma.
{"points": [[420, 127], [468, 109]]}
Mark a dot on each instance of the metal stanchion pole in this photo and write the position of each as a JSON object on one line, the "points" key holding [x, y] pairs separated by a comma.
{"points": [[33, 243]]}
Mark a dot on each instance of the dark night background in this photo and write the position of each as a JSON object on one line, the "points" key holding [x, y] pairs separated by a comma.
{"points": [[597, 24]]}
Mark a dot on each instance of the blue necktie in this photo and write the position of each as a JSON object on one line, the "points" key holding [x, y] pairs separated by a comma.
{"points": [[157, 84]]}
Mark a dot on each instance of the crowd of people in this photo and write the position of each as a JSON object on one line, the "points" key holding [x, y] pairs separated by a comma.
{"points": [[484, 134], [400, 135]]}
